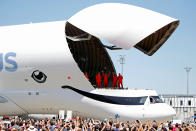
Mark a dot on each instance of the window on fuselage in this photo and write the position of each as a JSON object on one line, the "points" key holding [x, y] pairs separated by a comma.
{"points": [[155, 99], [152, 101], [135, 100], [127, 100]]}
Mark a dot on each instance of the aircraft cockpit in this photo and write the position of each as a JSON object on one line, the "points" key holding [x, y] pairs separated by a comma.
{"points": [[155, 99]]}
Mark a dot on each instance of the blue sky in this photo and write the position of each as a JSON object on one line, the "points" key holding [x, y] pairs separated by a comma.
{"points": [[164, 71]]}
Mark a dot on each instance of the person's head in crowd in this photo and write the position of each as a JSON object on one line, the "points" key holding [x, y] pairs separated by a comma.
{"points": [[52, 122], [170, 127], [135, 128], [12, 123], [155, 126], [176, 125]]}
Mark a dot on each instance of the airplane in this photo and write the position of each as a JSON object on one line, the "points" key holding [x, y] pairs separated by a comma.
{"points": [[42, 65]]}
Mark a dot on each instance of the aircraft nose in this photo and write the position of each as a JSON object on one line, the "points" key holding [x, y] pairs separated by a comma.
{"points": [[172, 112], [167, 112]]}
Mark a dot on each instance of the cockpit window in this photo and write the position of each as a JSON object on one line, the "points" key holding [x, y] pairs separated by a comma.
{"points": [[155, 99], [127, 100], [152, 101]]}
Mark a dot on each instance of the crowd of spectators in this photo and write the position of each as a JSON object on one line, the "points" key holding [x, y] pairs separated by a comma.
{"points": [[78, 124]]}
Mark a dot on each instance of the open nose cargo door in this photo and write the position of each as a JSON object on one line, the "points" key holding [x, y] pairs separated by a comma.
{"points": [[126, 26]]}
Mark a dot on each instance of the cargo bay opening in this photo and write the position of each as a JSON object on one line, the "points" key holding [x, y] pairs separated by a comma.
{"points": [[89, 53], [92, 57]]}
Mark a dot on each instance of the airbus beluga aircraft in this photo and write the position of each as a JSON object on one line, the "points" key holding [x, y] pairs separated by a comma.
{"points": [[42, 65]]}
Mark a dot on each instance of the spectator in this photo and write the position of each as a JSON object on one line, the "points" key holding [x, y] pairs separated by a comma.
{"points": [[31, 128], [176, 126], [164, 127], [79, 124], [16, 125]]}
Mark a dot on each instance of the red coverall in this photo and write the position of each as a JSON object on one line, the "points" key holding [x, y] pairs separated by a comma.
{"points": [[98, 80], [120, 78], [86, 75], [105, 79], [114, 80]]}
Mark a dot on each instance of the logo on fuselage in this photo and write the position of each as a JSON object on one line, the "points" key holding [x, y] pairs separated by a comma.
{"points": [[8, 58]]}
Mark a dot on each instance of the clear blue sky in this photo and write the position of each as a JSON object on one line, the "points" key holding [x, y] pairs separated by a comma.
{"points": [[164, 71]]}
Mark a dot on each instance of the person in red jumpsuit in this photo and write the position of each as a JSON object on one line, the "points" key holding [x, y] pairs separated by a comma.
{"points": [[98, 80], [120, 78], [114, 80], [105, 80], [86, 75]]}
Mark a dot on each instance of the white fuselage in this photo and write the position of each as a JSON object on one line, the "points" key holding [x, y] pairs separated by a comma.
{"points": [[51, 101], [36, 63]]}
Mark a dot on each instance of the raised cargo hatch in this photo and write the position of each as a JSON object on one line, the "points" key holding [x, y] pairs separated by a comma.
{"points": [[126, 26]]}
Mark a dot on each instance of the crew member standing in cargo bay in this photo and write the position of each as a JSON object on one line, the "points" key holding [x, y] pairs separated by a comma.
{"points": [[98, 80], [105, 80], [114, 80], [86, 75], [120, 78]]}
